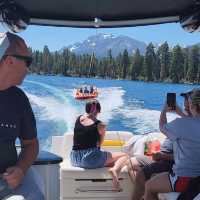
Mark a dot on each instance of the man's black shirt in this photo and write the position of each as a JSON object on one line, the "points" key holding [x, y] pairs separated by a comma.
{"points": [[16, 121]]}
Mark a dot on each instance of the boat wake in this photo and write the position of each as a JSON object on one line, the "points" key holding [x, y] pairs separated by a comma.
{"points": [[56, 110]]}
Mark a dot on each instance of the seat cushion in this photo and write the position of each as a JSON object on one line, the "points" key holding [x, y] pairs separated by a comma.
{"points": [[69, 171]]}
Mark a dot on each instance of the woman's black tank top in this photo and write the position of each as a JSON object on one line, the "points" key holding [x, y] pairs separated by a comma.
{"points": [[85, 136]]}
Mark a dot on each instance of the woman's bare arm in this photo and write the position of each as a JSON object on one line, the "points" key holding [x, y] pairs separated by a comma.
{"points": [[102, 131]]}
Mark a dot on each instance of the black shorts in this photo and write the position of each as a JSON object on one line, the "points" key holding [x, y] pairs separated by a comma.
{"points": [[151, 167]]}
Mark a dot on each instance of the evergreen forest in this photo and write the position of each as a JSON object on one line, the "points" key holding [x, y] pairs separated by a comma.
{"points": [[161, 64]]}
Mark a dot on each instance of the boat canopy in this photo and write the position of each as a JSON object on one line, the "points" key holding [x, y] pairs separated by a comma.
{"points": [[104, 13]]}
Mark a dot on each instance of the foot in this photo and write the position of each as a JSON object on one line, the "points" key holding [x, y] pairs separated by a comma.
{"points": [[115, 179]]}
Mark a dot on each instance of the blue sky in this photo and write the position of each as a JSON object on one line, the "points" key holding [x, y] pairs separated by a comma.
{"points": [[57, 37]]}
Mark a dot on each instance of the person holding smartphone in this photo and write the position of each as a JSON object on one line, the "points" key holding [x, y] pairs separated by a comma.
{"points": [[184, 132]]}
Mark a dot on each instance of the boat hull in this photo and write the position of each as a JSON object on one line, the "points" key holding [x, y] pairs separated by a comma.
{"points": [[82, 97]]}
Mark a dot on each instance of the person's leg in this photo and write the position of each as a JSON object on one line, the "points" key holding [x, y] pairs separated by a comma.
{"points": [[149, 168], [133, 165], [115, 170], [138, 176], [139, 186], [112, 158], [29, 189], [154, 186], [5, 190]]}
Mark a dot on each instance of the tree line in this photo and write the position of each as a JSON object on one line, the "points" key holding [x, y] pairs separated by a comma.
{"points": [[166, 64]]}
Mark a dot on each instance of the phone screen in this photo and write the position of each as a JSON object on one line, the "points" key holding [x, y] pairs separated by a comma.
{"points": [[171, 100]]}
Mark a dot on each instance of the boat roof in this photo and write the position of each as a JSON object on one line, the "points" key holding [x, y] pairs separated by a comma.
{"points": [[104, 13]]}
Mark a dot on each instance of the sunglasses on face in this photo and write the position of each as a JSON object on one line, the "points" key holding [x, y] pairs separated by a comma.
{"points": [[28, 60]]}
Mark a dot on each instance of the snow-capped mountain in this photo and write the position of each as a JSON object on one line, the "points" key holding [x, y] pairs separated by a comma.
{"points": [[101, 43]]}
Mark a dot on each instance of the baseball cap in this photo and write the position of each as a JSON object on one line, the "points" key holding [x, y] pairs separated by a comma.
{"points": [[195, 96], [13, 45], [186, 94]]}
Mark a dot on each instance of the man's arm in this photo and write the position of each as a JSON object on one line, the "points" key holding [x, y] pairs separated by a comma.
{"points": [[162, 156], [29, 151]]}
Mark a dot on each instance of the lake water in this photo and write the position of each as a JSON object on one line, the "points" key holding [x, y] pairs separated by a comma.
{"points": [[126, 105]]}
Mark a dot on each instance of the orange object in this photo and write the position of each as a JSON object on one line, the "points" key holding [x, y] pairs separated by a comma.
{"points": [[152, 147], [86, 96]]}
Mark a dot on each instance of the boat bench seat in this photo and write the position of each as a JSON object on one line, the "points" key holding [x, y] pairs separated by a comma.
{"points": [[100, 173], [79, 183]]}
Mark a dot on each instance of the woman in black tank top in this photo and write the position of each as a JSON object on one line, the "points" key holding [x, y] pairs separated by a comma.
{"points": [[88, 137], [88, 131]]}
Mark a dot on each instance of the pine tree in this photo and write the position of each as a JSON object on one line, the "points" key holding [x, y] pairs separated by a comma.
{"points": [[125, 64], [177, 65], [46, 60], [186, 62], [136, 65], [164, 57], [193, 65], [149, 62]]}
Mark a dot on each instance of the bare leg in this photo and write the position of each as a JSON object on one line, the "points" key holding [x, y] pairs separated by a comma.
{"points": [[115, 170], [112, 158], [139, 185], [133, 166], [110, 163], [154, 186]]}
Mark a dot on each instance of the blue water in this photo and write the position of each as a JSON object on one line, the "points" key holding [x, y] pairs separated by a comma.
{"points": [[126, 105]]}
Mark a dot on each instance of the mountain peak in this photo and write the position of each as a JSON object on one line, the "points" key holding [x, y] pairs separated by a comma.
{"points": [[100, 44]]}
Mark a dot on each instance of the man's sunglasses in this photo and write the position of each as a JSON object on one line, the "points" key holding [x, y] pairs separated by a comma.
{"points": [[28, 60]]}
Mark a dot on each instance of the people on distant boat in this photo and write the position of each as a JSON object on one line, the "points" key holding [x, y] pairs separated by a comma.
{"points": [[89, 133], [17, 121], [81, 90], [91, 89], [86, 91], [184, 132]]}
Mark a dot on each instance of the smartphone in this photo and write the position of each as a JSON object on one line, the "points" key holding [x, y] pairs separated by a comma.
{"points": [[171, 100]]}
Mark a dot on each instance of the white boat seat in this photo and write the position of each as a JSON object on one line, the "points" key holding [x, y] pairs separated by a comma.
{"points": [[80, 184], [67, 169]]}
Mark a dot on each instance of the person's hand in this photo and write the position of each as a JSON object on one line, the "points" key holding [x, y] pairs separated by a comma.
{"points": [[13, 176], [166, 108], [157, 156], [179, 111]]}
